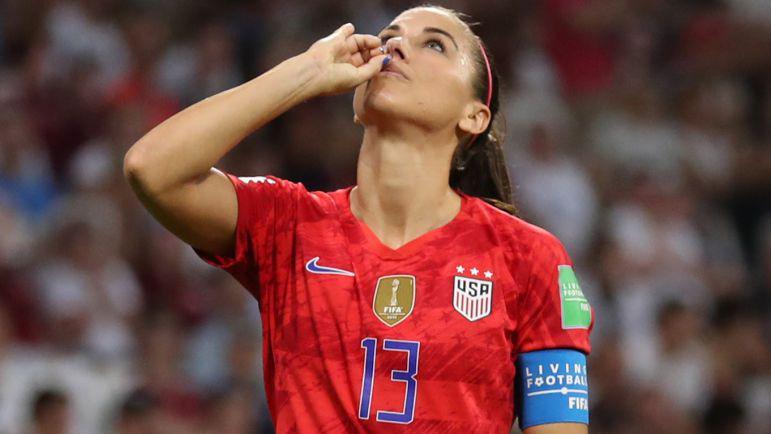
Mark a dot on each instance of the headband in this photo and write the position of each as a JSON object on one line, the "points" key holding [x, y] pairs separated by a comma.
{"points": [[489, 86], [489, 75]]}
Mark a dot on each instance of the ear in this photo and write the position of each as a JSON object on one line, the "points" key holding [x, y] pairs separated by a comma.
{"points": [[475, 118]]}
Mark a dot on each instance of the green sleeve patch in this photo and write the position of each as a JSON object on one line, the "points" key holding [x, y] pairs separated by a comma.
{"points": [[576, 313]]}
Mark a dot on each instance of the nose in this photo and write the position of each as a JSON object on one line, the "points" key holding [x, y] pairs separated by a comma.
{"points": [[395, 48]]}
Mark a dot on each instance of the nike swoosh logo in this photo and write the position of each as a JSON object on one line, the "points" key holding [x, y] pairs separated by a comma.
{"points": [[313, 267]]}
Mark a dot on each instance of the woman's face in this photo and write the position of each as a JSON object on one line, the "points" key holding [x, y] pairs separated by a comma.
{"points": [[428, 80]]}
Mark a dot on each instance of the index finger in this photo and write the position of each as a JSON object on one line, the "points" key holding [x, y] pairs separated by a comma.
{"points": [[359, 42]]}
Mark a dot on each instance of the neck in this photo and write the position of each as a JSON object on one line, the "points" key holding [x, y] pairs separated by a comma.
{"points": [[403, 187]]}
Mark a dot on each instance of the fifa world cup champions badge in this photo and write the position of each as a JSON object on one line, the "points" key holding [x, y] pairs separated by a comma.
{"points": [[394, 298]]}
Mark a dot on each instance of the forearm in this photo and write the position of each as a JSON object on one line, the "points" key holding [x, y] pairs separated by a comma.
{"points": [[558, 428], [189, 143]]}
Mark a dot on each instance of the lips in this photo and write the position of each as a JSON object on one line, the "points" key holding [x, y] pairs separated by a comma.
{"points": [[393, 69]]}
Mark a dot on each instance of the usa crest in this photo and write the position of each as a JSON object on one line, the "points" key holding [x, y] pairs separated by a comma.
{"points": [[472, 297], [394, 298]]}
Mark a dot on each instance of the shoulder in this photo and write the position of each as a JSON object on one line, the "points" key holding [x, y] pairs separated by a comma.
{"points": [[288, 193], [521, 238]]}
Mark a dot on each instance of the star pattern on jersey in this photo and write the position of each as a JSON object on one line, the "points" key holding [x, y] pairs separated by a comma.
{"points": [[474, 271]]}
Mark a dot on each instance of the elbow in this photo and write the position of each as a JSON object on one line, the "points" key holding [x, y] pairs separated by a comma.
{"points": [[131, 164], [136, 168]]}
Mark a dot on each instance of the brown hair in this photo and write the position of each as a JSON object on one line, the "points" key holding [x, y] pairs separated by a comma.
{"points": [[480, 169]]}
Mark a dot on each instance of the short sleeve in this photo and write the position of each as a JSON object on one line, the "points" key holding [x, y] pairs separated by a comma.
{"points": [[553, 310], [267, 216]]}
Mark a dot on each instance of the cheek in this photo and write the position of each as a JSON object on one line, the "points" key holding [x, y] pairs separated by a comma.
{"points": [[443, 75], [443, 89]]}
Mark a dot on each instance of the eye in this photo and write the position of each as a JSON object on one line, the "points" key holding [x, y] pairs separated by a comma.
{"points": [[383, 39], [433, 43]]}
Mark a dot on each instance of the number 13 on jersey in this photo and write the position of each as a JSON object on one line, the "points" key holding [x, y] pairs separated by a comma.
{"points": [[412, 348]]}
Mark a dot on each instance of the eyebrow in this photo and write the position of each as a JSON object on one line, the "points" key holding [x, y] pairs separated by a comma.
{"points": [[396, 27]]}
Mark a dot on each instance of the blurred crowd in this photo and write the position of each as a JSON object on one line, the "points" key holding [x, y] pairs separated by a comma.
{"points": [[639, 132]]}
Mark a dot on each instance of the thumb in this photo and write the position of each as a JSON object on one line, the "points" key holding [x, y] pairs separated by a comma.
{"points": [[369, 69]]}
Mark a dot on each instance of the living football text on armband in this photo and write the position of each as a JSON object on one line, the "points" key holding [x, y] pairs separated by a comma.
{"points": [[551, 387]]}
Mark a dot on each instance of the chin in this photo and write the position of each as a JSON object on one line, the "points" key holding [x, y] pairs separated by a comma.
{"points": [[378, 101]]}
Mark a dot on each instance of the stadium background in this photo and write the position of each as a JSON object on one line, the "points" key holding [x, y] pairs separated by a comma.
{"points": [[639, 132]]}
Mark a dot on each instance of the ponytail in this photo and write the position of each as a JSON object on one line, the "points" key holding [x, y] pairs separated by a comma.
{"points": [[481, 171]]}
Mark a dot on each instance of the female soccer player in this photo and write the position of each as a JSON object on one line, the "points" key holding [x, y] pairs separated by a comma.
{"points": [[412, 302]]}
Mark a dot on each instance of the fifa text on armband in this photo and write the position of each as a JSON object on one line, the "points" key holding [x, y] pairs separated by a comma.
{"points": [[577, 403]]}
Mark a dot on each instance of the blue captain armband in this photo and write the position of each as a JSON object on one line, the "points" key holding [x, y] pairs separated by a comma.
{"points": [[551, 387]]}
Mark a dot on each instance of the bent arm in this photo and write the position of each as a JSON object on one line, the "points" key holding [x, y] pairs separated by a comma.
{"points": [[171, 168]]}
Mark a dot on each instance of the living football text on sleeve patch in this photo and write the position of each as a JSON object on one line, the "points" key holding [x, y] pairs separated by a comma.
{"points": [[552, 387], [576, 313]]}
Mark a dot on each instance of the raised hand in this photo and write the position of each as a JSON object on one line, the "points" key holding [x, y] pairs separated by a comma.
{"points": [[345, 60]]}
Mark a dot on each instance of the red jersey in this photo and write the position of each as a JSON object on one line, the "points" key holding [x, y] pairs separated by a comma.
{"points": [[359, 337]]}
